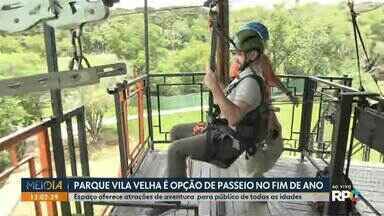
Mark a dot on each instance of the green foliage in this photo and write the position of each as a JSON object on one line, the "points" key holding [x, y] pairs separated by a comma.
{"points": [[126, 40], [4, 161], [11, 114], [20, 64], [96, 102], [95, 106], [19, 111], [193, 58], [34, 44], [9, 44]]}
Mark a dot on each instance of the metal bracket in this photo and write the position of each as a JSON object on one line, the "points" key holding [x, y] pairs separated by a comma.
{"points": [[76, 12], [65, 79], [21, 15]]}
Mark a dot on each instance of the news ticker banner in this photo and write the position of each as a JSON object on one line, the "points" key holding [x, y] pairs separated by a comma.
{"points": [[175, 189]]}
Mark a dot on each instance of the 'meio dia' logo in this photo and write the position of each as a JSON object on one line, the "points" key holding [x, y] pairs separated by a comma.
{"points": [[344, 194]]}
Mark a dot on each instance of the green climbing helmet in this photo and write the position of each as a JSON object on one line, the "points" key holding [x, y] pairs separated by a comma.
{"points": [[251, 37]]}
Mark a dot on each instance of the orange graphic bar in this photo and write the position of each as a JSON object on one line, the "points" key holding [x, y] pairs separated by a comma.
{"points": [[44, 196]]}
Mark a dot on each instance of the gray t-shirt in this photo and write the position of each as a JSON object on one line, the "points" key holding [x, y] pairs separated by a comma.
{"points": [[248, 90]]}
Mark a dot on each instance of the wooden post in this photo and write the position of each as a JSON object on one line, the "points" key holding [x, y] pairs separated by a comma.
{"points": [[222, 62], [223, 45], [13, 154], [46, 165], [140, 107], [32, 172], [126, 127], [126, 130], [119, 109], [45, 154]]}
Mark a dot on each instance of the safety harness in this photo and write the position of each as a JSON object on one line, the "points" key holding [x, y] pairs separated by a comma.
{"points": [[226, 144]]}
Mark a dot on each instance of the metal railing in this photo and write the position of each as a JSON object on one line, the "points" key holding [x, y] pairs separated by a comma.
{"points": [[324, 100], [131, 153], [331, 137], [40, 132], [9, 143], [329, 99], [193, 81]]}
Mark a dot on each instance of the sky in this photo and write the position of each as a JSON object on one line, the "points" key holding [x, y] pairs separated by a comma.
{"points": [[131, 4]]}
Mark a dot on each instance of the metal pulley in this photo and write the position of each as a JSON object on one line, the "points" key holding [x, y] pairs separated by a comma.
{"points": [[77, 12], [362, 6], [21, 15]]}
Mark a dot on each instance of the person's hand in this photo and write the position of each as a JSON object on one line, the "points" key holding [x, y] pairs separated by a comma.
{"points": [[210, 79], [199, 128]]}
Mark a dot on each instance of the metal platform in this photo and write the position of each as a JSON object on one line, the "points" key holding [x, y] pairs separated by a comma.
{"points": [[154, 165]]}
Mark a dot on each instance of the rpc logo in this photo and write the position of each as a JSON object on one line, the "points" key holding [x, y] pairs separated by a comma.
{"points": [[344, 194]]}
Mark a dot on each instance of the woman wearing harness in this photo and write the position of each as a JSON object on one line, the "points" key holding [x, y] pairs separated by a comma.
{"points": [[269, 75], [241, 99]]}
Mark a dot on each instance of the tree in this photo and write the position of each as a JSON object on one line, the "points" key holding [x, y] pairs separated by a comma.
{"points": [[126, 40], [9, 44], [12, 115], [96, 102]]}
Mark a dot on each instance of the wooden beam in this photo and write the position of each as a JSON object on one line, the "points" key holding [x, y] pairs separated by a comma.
{"points": [[32, 172], [222, 44], [13, 155], [65, 79], [140, 106], [46, 164], [22, 134]]}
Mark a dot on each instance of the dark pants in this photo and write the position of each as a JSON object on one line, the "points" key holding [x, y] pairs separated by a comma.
{"points": [[185, 144]]}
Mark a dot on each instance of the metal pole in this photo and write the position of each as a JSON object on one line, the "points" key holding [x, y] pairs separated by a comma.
{"points": [[306, 115], [146, 36], [72, 155], [147, 81], [339, 147], [80, 118], [57, 109], [222, 68]]}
